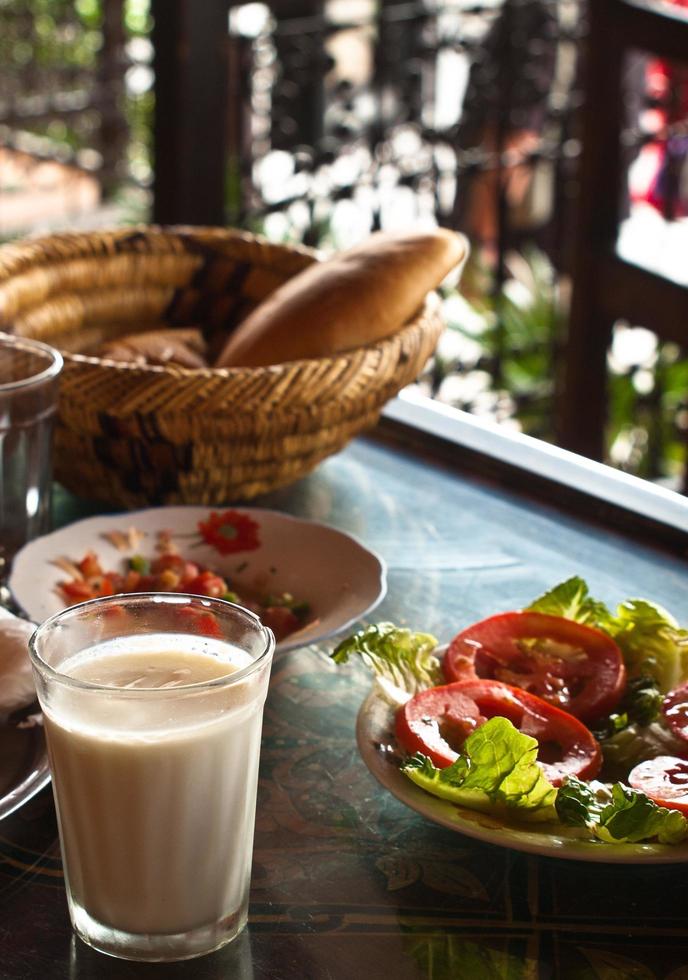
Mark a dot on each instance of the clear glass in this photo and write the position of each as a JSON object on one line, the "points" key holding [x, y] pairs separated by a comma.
{"points": [[153, 707], [29, 376]]}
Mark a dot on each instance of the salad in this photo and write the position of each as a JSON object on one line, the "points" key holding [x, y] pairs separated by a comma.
{"points": [[563, 712], [170, 571]]}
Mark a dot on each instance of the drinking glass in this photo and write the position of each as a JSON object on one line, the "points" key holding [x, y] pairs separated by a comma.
{"points": [[29, 374], [153, 708]]}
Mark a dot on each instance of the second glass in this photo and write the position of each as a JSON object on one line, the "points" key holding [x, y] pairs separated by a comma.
{"points": [[29, 375], [153, 711]]}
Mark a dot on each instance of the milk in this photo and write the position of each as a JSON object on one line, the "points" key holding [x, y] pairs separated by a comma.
{"points": [[155, 785]]}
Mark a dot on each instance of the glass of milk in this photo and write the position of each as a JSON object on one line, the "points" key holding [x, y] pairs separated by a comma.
{"points": [[153, 708]]}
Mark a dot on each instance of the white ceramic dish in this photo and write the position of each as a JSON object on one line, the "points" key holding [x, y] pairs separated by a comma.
{"points": [[340, 579], [381, 754]]}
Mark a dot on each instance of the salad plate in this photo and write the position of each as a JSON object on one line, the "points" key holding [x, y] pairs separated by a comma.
{"points": [[383, 757], [329, 573], [488, 743]]}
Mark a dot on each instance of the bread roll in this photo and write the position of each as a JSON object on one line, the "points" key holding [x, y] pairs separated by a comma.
{"points": [[184, 347], [355, 298]]}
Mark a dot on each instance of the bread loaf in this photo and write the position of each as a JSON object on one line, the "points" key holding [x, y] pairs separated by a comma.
{"points": [[356, 298], [183, 346]]}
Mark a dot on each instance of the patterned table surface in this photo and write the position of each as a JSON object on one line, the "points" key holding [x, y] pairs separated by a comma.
{"points": [[347, 881]]}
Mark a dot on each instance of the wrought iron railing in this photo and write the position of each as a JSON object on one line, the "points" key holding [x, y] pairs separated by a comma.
{"points": [[342, 116]]}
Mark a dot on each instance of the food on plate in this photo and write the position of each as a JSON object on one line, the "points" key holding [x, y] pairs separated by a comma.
{"points": [[357, 297], [172, 572], [496, 769], [570, 665], [433, 721], [16, 679], [502, 735], [675, 711], [664, 779], [184, 346]]}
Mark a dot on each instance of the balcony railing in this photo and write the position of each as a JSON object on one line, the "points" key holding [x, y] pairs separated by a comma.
{"points": [[320, 120]]}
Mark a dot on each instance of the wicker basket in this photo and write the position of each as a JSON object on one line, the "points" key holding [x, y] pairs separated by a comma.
{"points": [[129, 435]]}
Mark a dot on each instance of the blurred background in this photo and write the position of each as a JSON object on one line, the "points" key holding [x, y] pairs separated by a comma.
{"points": [[318, 121]]}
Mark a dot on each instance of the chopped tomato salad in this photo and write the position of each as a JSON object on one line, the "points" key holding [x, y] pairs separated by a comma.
{"points": [[171, 572]]}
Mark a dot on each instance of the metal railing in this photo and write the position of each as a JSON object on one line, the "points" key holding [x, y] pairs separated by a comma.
{"points": [[321, 120]]}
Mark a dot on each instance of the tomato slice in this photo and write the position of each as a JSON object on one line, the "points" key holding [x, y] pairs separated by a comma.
{"points": [[574, 667], [280, 620], [76, 591], [207, 583], [675, 711], [89, 566], [203, 622], [664, 780], [437, 721]]}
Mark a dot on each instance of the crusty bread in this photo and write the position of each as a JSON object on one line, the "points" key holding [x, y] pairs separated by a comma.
{"points": [[182, 346], [355, 298]]}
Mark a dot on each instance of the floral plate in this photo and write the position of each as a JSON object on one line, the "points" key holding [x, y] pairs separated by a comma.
{"points": [[381, 754], [255, 550]]}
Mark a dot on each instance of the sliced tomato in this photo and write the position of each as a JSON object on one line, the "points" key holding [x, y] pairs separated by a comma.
{"points": [[664, 780], [77, 591], [675, 710], [207, 583], [101, 586], [89, 565], [574, 667], [437, 721], [280, 620], [200, 621]]}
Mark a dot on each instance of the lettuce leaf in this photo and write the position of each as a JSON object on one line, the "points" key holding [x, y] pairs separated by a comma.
{"points": [[640, 706], [618, 815], [495, 770], [652, 643], [572, 600], [399, 656]]}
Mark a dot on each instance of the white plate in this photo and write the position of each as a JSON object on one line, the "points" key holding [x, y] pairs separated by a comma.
{"points": [[340, 579], [382, 755]]}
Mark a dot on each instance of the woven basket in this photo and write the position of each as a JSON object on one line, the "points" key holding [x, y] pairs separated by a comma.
{"points": [[129, 435]]}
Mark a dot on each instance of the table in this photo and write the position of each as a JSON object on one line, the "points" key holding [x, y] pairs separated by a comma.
{"points": [[347, 882]]}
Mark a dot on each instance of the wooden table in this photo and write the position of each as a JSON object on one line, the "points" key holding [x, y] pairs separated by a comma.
{"points": [[347, 881]]}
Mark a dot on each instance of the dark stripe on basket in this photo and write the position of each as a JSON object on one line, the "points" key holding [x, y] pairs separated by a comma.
{"points": [[195, 304]]}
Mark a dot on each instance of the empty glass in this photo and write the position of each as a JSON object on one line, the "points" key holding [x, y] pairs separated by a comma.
{"points": [[29, 375]]}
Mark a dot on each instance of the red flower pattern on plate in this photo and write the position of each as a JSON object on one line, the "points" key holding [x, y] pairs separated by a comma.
{"points": [[230, 531]]}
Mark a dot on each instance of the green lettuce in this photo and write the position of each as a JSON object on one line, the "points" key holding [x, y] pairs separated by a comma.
{"points": [[618, 815], [652, 643], [496, 770], [399, 656], [640, 706], [572, 600]]}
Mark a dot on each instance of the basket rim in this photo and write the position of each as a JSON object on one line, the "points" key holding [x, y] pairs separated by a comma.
{"points": [[13, 253]]}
